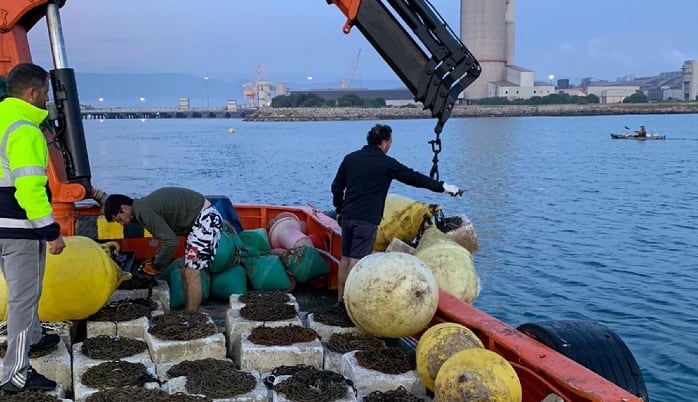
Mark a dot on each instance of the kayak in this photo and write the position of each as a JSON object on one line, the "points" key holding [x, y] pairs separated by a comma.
{"points": [[635, 137]]}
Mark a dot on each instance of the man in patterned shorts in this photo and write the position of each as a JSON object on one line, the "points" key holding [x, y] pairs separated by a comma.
{"points": [[167, 213]]}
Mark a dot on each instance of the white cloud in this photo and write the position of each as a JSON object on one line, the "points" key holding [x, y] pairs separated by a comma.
{"points": [[596, 49], [565, 47], [675, 57]]}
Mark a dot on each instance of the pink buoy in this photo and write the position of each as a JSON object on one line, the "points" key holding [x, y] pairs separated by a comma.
{"points": [[287, 232], [285, 214]]}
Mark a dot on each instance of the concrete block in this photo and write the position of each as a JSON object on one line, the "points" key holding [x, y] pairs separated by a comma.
{"points": [[235, 325], [161, 292], [81, 362], [159, 309], [360, 398], [265, 358], [82, 391], [164, 351], [234, 302], [127, 294], [331, 360], [279, 397], [129, 329], [259, 394], [163, 368], [367, 380], [55, 366], [325, 331], [95, 328]]}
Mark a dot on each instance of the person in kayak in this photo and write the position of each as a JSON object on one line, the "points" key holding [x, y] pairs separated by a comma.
{"points": [[359, 190], [166, 213], [641, 132]]}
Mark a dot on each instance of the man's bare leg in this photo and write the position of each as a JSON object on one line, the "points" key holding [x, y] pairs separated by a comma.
{"points": [[345, 266], [192, 289]]}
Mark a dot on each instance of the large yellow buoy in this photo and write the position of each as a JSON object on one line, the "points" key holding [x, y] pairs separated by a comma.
{"points": [[77, 282], [477, 375], [391, 295], [452, 264], [402, 218], [439, 343]]}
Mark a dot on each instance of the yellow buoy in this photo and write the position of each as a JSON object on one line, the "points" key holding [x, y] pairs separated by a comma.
{"points": [[439, 343], [77, 282], [451, 263], [391, 295], [477, 375], [402, 218], [231, 130]]}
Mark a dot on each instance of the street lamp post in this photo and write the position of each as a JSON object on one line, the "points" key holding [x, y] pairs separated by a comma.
{"points": [[310, 80], [207, 102]]}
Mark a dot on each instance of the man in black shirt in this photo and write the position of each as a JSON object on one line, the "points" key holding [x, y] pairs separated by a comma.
{"points": [[358, 193]]}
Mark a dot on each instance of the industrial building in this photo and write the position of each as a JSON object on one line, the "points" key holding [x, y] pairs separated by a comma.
{"points": [[487, 28], [690, 80]]}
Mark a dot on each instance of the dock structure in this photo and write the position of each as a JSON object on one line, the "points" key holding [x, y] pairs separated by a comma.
{"points": [[164, 113]]}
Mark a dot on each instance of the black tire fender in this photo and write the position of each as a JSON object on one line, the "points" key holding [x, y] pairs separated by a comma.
{"points": [[594, 346]]}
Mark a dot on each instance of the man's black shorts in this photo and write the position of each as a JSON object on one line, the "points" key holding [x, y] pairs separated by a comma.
{"points": [[358, 238]]}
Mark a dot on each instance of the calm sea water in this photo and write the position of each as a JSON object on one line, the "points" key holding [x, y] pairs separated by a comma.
{"points": [[572, 224]]}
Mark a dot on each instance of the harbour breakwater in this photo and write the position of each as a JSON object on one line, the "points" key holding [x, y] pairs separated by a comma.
{"points": [[387, 113]]}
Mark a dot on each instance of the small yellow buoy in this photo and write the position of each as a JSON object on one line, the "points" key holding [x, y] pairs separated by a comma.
{"points": [[439, 343], [477, 375], [231, 130]]}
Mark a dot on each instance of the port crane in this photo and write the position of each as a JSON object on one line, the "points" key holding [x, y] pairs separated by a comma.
{"points": [[347, 82], [258, 92]]}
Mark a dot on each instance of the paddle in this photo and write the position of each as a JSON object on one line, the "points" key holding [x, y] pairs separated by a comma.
{"points": [[633, 135]]}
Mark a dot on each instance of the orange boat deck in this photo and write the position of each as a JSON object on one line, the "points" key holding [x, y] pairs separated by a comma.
{"points": [[541, 370]]}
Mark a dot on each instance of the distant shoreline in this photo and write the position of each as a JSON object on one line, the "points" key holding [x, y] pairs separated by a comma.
{"points": [[325, 114]]}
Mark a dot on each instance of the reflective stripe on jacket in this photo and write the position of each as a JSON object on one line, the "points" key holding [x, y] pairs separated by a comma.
{"points": [[25, 207]]}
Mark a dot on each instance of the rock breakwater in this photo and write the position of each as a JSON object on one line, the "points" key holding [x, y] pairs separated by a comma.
{"points": [[388, 113]]}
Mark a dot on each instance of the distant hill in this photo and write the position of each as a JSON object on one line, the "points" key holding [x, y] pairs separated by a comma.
{"points": [[124, 90]]}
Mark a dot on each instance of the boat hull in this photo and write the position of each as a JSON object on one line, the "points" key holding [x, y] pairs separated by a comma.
{"points": [[541, 369]]}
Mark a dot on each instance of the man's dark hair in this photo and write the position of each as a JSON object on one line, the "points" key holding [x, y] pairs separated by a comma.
{"points": [[113, 203], [378, 134], [24, 76]]}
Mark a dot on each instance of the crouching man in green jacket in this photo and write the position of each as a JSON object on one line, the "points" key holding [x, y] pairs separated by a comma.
{"points": [[167, 213]]}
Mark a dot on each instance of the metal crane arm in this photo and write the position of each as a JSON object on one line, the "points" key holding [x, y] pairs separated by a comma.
{"points": [[435, 79]]}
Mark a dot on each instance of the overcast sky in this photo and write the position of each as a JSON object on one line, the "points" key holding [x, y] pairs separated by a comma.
{"points": [[230, 38]]}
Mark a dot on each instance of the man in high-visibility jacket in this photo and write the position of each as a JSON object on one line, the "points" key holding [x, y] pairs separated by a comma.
{"points": [[27, 227]]}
